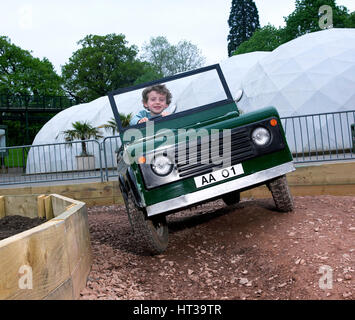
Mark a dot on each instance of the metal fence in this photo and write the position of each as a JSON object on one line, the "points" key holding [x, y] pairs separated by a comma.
{"points": [[321, 137], [51, 162], [311, 138]]}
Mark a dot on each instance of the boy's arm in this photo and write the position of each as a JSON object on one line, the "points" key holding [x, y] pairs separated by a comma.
{"points": [[140, 115]]}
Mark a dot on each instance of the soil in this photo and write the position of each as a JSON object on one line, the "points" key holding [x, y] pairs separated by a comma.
{"points": [[248, 251], [245, 251], [11, 225]]}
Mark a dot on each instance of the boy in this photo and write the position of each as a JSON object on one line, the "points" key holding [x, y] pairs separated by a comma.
{"points": [[155, 100]]}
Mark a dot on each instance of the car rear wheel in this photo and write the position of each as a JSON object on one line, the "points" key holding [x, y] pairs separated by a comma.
{"points": [[281, 194], [151, 233], [231, 198]]}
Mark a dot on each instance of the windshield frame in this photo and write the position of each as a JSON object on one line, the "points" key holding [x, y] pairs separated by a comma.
{"points": [[111, 95]]}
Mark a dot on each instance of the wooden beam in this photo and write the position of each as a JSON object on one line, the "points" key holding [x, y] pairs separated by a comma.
{"points": [[48, 207], [2, 207], [41, 206]]}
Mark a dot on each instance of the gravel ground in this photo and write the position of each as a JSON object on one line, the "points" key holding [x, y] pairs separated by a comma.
{"points": [[241, 252]]}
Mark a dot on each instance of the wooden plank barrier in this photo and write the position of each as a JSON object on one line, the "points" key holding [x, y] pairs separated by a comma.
{"points": [[48, 207], [40, 206], [23, 205], [2, 207], [52, 260]]}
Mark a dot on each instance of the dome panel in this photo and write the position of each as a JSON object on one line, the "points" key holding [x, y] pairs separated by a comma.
{"points": [[321, 61]]}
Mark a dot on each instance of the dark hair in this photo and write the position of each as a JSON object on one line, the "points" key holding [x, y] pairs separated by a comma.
{"points": [[161, 89]]}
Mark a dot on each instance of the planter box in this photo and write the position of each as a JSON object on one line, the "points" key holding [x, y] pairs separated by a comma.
{"points": [[54, 259], [85, 163]]}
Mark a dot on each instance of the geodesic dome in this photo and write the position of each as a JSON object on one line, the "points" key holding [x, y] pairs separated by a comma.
{"points": [[237, 67], [204, 89], [49, 154], [312, 74]]}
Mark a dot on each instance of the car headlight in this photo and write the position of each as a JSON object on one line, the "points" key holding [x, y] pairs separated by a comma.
{"points": [[162, 165], [261, 136]]}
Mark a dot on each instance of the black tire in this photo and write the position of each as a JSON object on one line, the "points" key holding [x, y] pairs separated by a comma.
{"points": [[151, 233], [231, 198], [281, 194]]}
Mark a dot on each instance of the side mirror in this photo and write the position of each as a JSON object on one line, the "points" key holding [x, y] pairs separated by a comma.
{"points": [[173, 108], [238, 95]]}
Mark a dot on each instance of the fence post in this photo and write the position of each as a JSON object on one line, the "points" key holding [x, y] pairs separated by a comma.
{"points": [[105, 157], [100, 157]]}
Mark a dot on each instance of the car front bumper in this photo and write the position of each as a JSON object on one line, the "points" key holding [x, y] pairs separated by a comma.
{"points": [[220, 189]]}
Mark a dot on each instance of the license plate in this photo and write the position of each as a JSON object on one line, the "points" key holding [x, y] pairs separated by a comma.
{"points": [[219, 175]]}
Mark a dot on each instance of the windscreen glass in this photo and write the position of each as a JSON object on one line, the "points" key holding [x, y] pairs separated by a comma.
{"points": [[185, 93]]}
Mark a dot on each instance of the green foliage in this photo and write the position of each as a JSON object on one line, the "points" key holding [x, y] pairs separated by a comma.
{"points": [[150, 74], [305, 18], [267, 38], [102, 64], [112, 125], [243, 21], [125, 119], [82, 130], [17, 134], [21, 73], [16, 158], [350, 21], [168, 59]]}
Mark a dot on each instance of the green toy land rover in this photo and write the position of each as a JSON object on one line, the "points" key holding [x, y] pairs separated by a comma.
{"points": [[200, 148]]}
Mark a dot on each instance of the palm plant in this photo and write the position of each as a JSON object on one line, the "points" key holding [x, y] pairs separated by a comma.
{"points": [[125, 119], [82, 131], [112, 125]]}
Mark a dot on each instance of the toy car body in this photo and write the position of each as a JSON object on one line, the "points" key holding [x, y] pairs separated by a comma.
{"points": [[204, 150]]}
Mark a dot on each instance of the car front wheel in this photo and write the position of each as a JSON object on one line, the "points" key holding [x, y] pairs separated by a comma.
{"points": [[281, 194], [151, 233]]}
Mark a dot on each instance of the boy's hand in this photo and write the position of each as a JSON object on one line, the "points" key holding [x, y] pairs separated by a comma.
{"points": [[165, 113], [145, 119]]}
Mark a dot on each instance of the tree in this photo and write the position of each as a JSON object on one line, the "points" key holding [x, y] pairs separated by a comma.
{"points": [[169, 59], [150, 74], [267, 38], [81, 131], [21, 73], [102, 64], [305, 18], [187, 57], [243, 21], [350, 21]]}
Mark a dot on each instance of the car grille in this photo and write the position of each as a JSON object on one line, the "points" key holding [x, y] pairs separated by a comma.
{"points": [[204, 158]]}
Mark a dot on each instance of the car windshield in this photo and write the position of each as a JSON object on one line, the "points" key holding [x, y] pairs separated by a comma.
{"points": [[190, 90]]}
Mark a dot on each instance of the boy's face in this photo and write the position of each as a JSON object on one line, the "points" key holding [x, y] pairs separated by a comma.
{"points": [[156, 103]]}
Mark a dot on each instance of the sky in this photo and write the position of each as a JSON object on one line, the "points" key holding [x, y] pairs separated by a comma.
{"points": [[52, 29]]}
